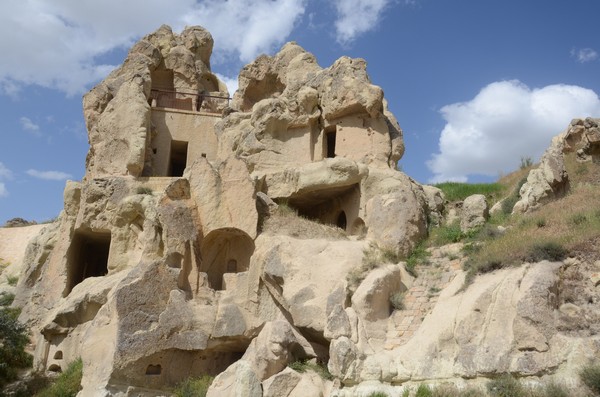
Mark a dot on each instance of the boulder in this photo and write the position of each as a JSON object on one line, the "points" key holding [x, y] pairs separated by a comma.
{"points": [[435, 203], [397, 220], [475, 212], [224, 196], [281, 384], [239, 380], [549, 180], [277, 345], [371, 300], [305, 275]]}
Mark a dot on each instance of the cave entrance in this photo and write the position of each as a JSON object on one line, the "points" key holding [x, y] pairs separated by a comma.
{"points": [[341, 220], [163, 80], [226, 250], [87, 257], [179, 153], [330, 137], [337, 206]]}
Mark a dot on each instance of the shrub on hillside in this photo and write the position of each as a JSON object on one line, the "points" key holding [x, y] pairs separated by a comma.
{"points": [[397, 301], [509, 202], [13, 339], [457, 191], [550, 251], [418, 256], [6, 299], [193, 387], [67, 384], [305, 365], [590, 376], [424, 391], [505, 386], [144, 190]]}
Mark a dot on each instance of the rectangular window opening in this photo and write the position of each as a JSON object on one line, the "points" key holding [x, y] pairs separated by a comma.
{"points": [[179, 152], [87, 257], [330, 137]]}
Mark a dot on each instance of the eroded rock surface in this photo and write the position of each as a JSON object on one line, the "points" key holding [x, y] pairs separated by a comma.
{"points": [[164, 263], [550, 179]]}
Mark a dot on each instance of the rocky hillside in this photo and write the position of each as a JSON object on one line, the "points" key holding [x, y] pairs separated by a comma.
{"points": [[269, 241]]}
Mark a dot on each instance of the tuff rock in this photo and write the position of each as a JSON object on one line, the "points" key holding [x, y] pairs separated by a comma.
{"points": [[549, 180], [221, 237]]}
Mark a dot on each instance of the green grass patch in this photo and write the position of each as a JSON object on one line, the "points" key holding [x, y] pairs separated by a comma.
{"points": [[397, 301], [6, 299], [419, 256], [509, 202], [193, 387], [424, 391], [305, 366], [590, 376], [448, 234], [456, 191], [550, 251], [67, 384], [12, 280], [3, 265], [505, 386], [143, 190], [550, 233]]}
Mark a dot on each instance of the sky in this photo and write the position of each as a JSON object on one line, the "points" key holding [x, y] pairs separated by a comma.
{"points": [[476, 85]]}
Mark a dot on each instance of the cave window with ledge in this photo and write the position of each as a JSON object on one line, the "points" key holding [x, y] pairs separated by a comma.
{"points": [[87, 256], [330, 138], [225, 251]]}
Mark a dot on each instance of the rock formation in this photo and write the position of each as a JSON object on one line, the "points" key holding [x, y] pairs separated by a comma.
{"points": [[168, 260], [158, 268], [550, 180]]}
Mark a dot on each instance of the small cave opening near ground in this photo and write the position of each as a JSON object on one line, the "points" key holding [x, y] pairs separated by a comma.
{"points": [[87, 256], [172, 366]]}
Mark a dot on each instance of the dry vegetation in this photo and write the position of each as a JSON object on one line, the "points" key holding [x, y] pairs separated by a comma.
{"points": [[569, 226], [557, 229], [286, 221], [508, 386], [373, 257]]}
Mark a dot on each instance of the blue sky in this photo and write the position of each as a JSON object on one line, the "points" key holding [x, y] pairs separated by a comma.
{"points": [[475, 84]]}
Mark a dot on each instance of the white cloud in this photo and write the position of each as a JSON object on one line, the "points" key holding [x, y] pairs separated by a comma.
{"points": [[59, 42], [231, 83], [247, 27], [356, 17], [49, 175], [29, 125], [5, 173], [584, 55], [506, 121]]}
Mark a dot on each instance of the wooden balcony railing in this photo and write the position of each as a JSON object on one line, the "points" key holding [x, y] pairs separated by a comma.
{"points": [[191, 101]]}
